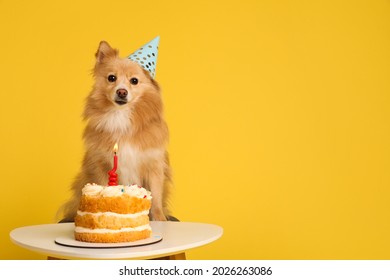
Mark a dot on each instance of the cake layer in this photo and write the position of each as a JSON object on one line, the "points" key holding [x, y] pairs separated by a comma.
{"points": [[113, 214], [123, 204], [111, 220], [116, 237]]}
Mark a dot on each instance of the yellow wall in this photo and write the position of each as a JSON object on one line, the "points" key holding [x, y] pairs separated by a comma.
{"points": [[279, 115]]}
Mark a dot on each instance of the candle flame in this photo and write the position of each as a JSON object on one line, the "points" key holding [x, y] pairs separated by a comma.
{"points": [[115, 147]]}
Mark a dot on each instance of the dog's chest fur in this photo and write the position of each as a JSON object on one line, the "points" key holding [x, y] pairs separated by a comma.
{"points": [[131, 163], [114, 121]]}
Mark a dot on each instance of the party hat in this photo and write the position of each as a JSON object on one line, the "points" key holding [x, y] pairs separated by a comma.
{"points": [[146, 56]]}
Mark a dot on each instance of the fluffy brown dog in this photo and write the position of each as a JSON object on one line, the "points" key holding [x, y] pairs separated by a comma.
{"points": [[124, 107]]}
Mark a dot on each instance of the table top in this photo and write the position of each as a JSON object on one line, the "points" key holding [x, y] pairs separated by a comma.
{"points": [[177, 237]]}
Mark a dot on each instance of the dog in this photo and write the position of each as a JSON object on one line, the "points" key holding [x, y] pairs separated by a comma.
{"points": [[124, 107]]}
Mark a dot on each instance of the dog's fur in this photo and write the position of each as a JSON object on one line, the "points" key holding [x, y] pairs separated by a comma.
{"points": [[134, 121]]}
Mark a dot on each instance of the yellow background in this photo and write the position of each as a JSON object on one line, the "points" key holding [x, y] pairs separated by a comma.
{"points": [[279, 116]]}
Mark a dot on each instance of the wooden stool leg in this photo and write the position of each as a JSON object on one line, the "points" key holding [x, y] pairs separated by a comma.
{"points": [[180, 256]]}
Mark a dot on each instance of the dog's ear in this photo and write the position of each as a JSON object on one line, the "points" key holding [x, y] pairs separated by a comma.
{"points": [[105, 51], [153, 81]]}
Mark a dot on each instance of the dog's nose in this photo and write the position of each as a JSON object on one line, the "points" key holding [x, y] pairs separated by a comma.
{"points": [[122, 93]]}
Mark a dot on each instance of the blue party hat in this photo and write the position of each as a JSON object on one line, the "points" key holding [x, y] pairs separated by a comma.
{"points": [[146, 56]]}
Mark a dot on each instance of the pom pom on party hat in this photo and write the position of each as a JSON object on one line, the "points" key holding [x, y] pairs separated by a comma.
{"points": [[146, 56]]}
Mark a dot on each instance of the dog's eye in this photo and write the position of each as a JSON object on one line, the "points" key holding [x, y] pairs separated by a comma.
{"points": [[111, 78], [133, 81]]}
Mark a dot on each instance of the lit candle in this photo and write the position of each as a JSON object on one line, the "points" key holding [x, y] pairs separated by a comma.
{"points": [[113, 179]]}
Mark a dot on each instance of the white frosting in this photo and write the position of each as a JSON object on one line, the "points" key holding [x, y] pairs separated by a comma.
{"points": [[110, 191], [92, 189], [105, 230], [137, 191], [112, 214]]}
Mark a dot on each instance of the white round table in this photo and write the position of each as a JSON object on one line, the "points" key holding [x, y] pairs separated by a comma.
{"points": [[177, 238]]}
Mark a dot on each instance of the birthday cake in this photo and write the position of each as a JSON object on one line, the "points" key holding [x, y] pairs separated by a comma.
{"points": [[113, 214]]}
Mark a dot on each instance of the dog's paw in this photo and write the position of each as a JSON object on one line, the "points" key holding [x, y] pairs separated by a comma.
{"points": [[158, 216]]}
